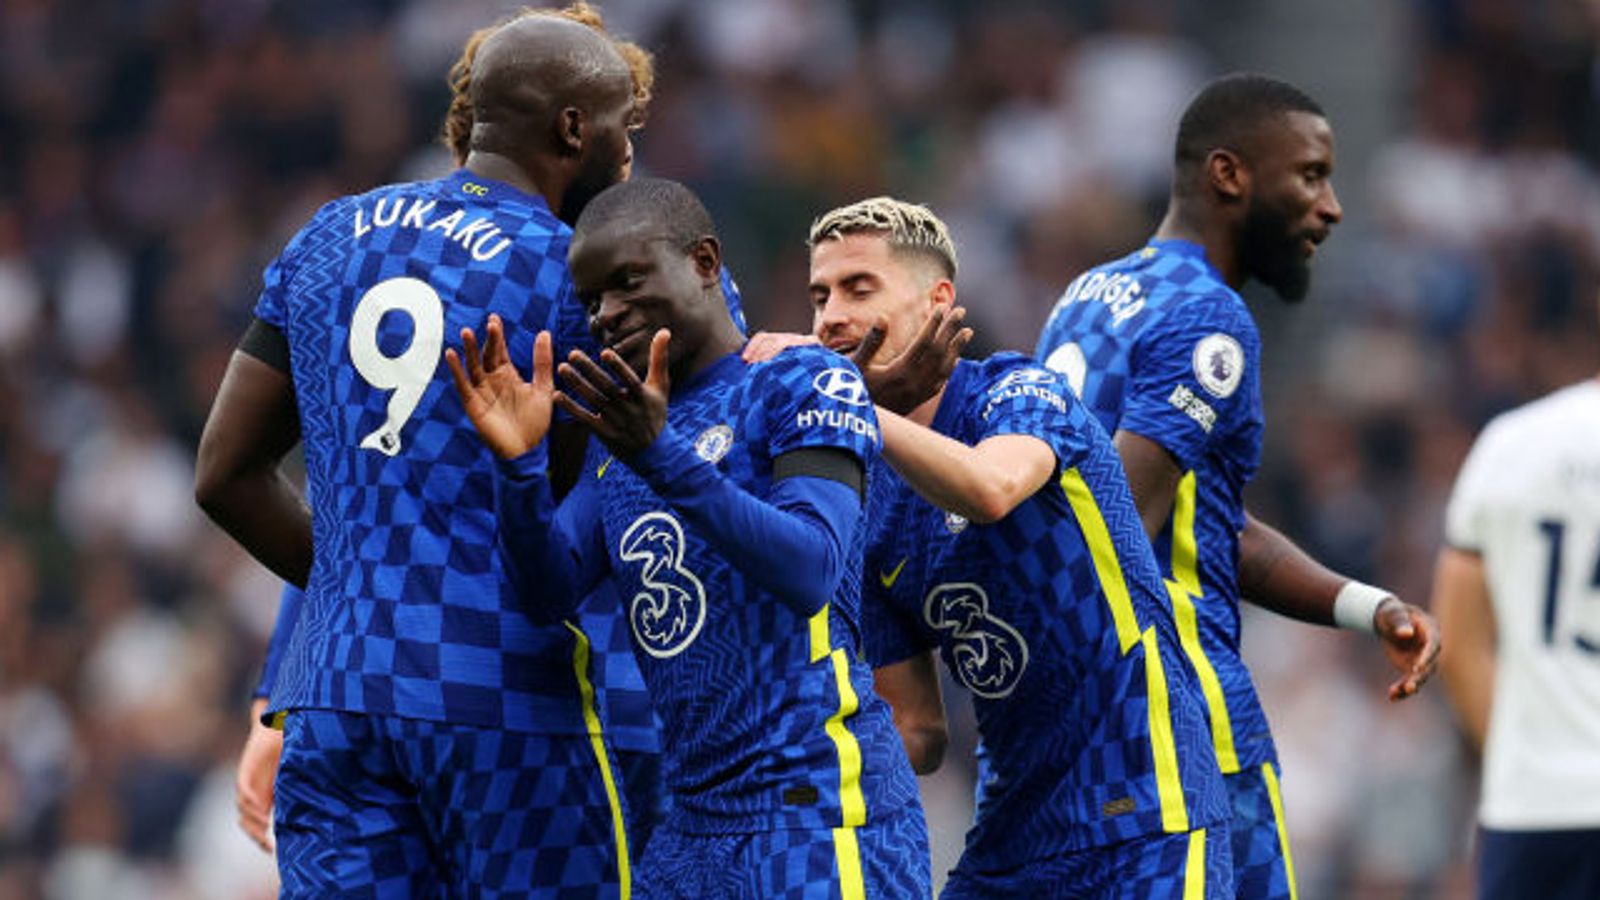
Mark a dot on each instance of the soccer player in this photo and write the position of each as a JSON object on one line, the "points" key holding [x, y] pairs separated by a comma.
{"points": [[1516, 586], [632, 734], [1163, 351], [437, 740], [727, 516], [1005, 537]]}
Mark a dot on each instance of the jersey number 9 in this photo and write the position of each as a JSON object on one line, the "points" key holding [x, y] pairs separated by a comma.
{"points": [[408, 373]]}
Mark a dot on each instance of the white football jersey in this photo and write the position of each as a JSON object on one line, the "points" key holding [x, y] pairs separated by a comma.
{"points": [[1528, 500]]}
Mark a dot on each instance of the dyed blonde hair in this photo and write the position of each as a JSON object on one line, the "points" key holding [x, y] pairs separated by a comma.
{"points": [[909, 228], [457, 131]]}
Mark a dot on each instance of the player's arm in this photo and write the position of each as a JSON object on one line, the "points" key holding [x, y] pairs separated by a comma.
{"points": [[1461, 598], [1276, 574], [1153, 476], [258, 761], [911, 688], [253, 424], [793, 542], [982, 483]]}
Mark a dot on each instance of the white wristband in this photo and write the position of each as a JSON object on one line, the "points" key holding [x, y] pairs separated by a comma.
{"points": [[1356, 606]]}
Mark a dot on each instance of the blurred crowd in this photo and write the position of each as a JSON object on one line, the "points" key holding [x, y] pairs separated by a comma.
{"points": [[159, 152]]}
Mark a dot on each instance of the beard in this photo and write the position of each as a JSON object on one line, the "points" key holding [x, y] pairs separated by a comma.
{"points": [[1272, 254]]}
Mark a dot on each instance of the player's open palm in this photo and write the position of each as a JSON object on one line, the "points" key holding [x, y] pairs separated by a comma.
{"points": [[511, 414], [625, 412]]}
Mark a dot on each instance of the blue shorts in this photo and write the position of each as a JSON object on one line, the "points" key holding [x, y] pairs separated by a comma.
{"points": [[644, 796], [1546, 865], [1191, 865], [380, 806], [1263, 868], [884, 858]]}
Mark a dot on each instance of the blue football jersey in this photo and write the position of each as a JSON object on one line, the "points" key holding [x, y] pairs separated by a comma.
{"points": [[1055, 619], [768, 716], [407, 611], [1157, 344], [549, 303]]}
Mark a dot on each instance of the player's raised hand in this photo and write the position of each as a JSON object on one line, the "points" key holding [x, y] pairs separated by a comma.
{"points": [[1410, 639], [512, 415], [625, 413], [903, 383]]}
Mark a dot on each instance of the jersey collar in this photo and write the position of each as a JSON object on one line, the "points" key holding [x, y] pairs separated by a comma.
{"points": [[471, 186], [1185, 249]]}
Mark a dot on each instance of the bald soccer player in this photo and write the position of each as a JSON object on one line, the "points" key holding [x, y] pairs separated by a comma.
{"points": [[436, 740]]}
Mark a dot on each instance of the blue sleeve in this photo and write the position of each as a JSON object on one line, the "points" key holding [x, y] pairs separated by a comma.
{"points": [[1194, 378], [1020, 396], [553, 555], [288, 614], [813, 397], [272, 306], [793, 543]]}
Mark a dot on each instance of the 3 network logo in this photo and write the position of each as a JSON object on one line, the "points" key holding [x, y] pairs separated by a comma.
{"points": [[669, 607], [985, 653], [843, 385]]}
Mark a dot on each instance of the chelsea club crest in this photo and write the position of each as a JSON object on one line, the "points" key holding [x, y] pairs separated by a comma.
{"points": [[714, 443]]}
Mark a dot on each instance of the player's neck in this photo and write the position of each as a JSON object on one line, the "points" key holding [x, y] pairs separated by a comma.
{"points": [[924, 413], [1213, 236], [722, 342]]}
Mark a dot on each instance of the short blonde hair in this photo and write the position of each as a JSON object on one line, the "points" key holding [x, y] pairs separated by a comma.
{"points": [[907, 227]]}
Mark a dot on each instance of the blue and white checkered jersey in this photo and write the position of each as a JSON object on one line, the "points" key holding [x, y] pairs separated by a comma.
{"points": [[1158, 345], [768, 715], [407, 611], [1055, 619]]}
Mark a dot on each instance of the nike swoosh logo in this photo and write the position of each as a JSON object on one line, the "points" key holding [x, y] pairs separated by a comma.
{"points": [[892, 576], [601, 472]]}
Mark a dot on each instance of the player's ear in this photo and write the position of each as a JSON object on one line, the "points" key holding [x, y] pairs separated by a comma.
{"points": [[707, 257], [943, 293], [569, 130], [1226, 174]]}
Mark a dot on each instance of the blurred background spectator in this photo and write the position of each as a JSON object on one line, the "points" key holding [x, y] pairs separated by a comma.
{"points": [[158, 153]]}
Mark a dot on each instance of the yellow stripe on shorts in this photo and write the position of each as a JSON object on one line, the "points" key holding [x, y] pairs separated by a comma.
{"points": [[591, 720], [1270, 776], [852, 803], [1194, 867]]}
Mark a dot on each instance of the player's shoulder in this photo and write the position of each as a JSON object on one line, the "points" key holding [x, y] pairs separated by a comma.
{"points": [[816, 384], [1006, 368], [805, 363], [1574, 408], [1205, 303], [1008, 378]]}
